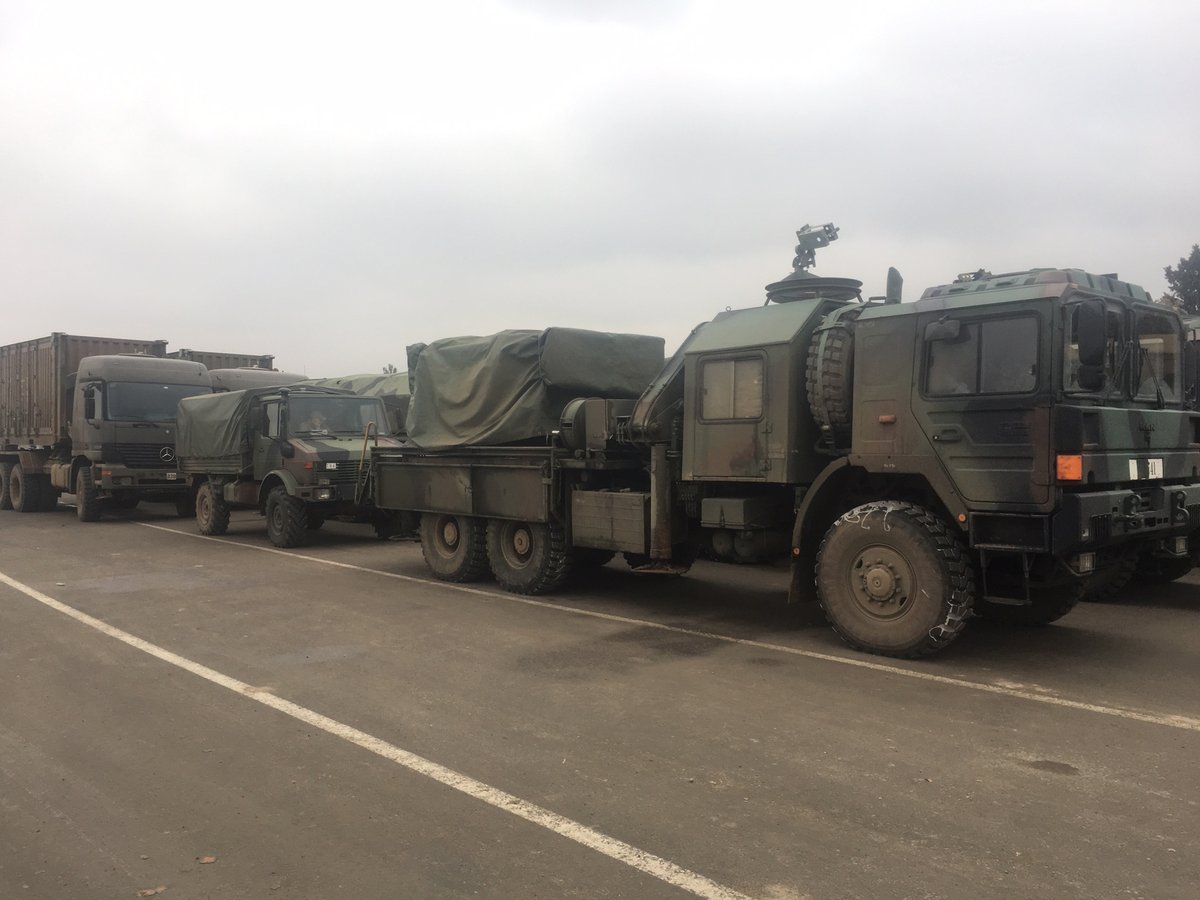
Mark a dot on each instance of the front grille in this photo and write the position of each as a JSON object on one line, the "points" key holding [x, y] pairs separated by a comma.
{"points": [[1101, 528], [347, 472], [142, 456]]}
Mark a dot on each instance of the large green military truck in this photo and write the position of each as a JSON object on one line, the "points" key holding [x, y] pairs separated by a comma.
{"points": [[91, 416], [296, 454], [990, 449]]}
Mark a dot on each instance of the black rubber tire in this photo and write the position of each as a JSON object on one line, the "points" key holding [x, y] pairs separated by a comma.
{"points": [[23, 490], [314, 519], [185, 505], [829, 377], [528, 557], [212, 512], [5, 496], [48, 494], [87, 499], [1049, 605], [454, 547], [287, 519], [893, 579], [591, 558], [1163, 570], [1110, 582]]}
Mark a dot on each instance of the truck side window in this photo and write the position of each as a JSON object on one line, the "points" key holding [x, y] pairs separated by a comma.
{"points": [[731, 388], [996, 356], [271, 419]]}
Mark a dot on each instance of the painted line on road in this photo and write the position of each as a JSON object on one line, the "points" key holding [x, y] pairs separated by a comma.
{"points": [[652, 865], [1187, 723]]}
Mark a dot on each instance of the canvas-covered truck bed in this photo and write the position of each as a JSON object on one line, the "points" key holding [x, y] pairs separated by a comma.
{"points": [[212, 432], [511, 387]]}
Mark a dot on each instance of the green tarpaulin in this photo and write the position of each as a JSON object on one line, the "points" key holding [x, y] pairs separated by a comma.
{"points": [[512, 386]]}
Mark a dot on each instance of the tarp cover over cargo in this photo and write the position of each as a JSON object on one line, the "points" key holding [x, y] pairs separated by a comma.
{"points": [[511, 387], [391, 389]]}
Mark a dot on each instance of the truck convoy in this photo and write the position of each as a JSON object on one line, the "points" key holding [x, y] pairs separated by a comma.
{"points": [[297, 454], [94, 417], [990, 449]]}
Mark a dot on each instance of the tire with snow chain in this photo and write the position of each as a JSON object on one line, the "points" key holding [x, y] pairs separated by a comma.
{"points": [[893, 579], [454, 547], [829, 374], [1047, 605], [1109, 582], [528, 557], [287, 519]]}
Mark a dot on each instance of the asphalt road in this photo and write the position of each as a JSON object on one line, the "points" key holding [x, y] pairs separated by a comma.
{"points": [[221, 719]]}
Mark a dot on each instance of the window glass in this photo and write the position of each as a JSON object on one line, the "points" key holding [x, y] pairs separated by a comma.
{"points": [[1159, 363], [271, 420], [954, 365], [342, 415], [997, 356], [732, 388], [143, 401]]}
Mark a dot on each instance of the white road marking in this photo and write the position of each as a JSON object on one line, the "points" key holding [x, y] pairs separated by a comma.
{"points": [[652, 865], [1187, 723]]}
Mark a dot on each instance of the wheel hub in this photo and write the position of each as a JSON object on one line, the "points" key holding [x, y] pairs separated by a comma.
{"points": [[521, 541], [450, 533], [881, 582]]}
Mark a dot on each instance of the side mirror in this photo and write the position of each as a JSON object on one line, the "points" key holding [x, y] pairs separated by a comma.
{"points": [[943, 330], [895, 285], [286, 450], [1190, 371], [1091, 332]]}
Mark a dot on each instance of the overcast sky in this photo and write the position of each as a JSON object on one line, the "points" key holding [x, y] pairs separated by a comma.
{"points": [[331, 182]]}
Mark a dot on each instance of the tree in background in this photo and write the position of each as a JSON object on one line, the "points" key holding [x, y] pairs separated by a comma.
{"points": [[1184, 280], [389, 369]]}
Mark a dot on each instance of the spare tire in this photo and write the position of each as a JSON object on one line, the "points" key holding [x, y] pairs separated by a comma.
{"points": [[830, 374]]}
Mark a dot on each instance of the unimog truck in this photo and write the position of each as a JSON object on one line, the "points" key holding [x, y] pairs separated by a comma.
{"points": [[94, 417], [296, 454], [993, 449]]}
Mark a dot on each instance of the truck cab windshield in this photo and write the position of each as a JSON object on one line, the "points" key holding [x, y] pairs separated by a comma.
{"points": [[131, 401], [333, 415], [1158, 368]]}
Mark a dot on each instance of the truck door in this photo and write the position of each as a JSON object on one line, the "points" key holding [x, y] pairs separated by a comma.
{"points": [[267, 430], [980, 399], [731, 433]]}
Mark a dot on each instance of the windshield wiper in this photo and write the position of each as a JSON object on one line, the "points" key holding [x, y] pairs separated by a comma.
{"points": [[1117, 373], [1144, 359]]}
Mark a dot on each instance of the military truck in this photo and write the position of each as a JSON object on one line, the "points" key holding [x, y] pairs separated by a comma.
{"points": [[983, 451], [91, 416], [296, 454]]}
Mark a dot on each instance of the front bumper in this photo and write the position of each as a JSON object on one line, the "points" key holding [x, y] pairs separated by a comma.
{"points": [[124, 478], [1097, 519]]}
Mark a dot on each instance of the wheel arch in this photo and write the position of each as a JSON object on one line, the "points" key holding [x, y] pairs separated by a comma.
{"points": [[277, 478]]}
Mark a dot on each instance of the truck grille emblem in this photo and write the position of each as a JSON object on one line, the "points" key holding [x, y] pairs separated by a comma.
{"points": [[166, 454]]}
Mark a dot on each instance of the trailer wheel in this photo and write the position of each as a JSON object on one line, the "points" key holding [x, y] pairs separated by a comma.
{"points": [[212, 512], [454, 547], [87, 500], [893, 580], [528, 557], [23, 490], [5, 496], [1048, 605], [287, 518], [48, 493]]}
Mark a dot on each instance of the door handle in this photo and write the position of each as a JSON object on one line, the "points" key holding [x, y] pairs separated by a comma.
{"points": [[948, 435]]}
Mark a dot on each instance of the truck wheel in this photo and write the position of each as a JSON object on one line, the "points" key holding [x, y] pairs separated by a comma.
{"points": [[527, 557], [1110, 581], [1048, 605], [287, 519], [23, 490], [87, 500], [212, 512], [454, 547], [314, 519], [5, 496], [1163, 570], [829, 374], [893, 580]]}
